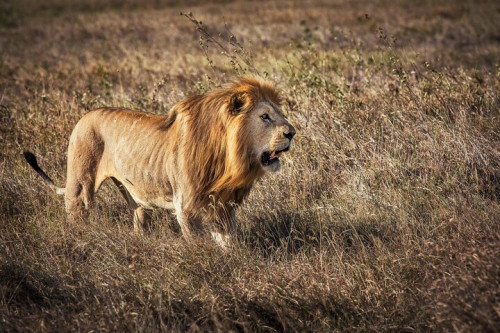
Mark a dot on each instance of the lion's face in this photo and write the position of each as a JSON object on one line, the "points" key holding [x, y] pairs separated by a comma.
{"points": [[271, 134]]}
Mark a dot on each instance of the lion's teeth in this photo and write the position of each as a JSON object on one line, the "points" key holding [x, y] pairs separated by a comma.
{"points": [[273, 155]]}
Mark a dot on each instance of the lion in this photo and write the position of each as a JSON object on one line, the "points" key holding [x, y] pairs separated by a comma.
{"points": [[200, 160]]}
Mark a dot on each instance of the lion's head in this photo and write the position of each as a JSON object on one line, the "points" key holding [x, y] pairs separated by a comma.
{"points": [[264, 130], [254, 108], [237, 133]]}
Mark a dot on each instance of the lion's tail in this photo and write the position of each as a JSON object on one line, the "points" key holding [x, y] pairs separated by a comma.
{"points": [[31, 159]]}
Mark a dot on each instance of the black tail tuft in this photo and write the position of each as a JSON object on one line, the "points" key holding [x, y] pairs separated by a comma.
{"points": [[31, 159]]}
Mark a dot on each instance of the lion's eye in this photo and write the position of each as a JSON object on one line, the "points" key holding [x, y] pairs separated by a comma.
{"points": [[266, 117]]}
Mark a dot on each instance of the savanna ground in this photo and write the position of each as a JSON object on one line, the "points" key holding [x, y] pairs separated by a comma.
{"points": [[385, 216]]}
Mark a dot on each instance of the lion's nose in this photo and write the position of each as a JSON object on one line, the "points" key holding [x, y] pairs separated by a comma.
{"points": [[290, 133]]}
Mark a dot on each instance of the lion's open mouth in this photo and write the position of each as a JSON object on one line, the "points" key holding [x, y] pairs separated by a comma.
{"points": [[270, 157]]}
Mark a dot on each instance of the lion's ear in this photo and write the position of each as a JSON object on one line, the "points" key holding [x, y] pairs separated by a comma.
{"points": [[237, 102]]}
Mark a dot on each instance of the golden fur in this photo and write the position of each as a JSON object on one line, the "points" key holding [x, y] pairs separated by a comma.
{"points": [[201, 159]]}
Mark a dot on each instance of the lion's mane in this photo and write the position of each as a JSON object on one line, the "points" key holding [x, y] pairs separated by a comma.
{"points": [[215, 140]]}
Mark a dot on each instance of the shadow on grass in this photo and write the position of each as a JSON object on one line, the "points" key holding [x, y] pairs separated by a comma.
{"points": [[23, 285], [292, 232]]}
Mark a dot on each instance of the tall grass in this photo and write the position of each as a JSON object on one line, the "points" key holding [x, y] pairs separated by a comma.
{"points": [[384, 217]]}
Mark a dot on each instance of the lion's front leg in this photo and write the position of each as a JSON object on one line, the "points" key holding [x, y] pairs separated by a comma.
{"points": [[190, 222], [224, 225], [222, 239], [191, 226], [218, 219]]}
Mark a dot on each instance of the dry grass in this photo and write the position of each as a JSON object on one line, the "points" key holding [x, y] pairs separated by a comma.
{"points": [[384, 218]]}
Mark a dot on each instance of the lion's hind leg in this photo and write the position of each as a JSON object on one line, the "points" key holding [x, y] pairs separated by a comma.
{"points": [[142, 220], [78, 196], [142, 216], [83, 177]]}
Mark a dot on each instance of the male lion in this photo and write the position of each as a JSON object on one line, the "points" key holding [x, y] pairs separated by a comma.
{"points": [[201, 159]]}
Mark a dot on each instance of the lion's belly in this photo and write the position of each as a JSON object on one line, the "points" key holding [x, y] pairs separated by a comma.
{"points": [[147, 189], [149, 193], [144, 174], [153, 202]]}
